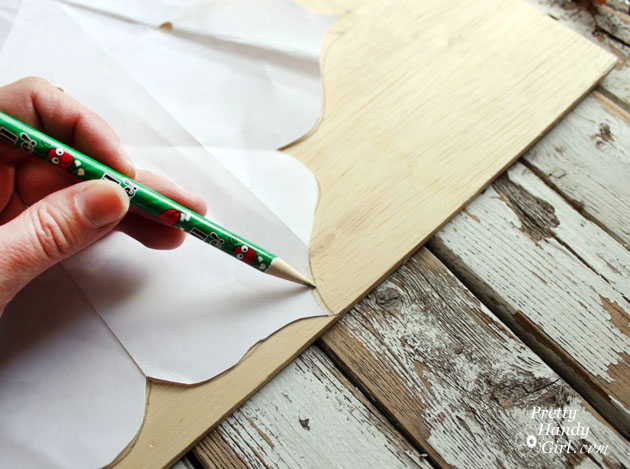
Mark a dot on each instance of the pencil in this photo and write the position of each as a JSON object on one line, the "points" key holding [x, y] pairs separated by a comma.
{"points": [[157, 205]]}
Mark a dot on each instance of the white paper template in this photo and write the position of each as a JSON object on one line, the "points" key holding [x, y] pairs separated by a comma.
{"points": [[8, 10], [70, 396], [284, 185], [184, 315], [239, 73]]}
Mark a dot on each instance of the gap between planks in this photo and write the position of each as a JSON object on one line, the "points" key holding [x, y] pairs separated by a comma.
{"points": [[559, 281], [584, 159], [447, 372]]}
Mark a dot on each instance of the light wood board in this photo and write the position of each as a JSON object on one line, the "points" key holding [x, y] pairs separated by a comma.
{"points": [[425, 103]]}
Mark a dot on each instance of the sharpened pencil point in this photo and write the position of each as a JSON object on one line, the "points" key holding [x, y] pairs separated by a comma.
{"points": [[281, 269]]}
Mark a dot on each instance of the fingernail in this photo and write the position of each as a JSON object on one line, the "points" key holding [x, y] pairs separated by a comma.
{"points": [[184, 191], [102, 203], [195, 198], [131, 168]]}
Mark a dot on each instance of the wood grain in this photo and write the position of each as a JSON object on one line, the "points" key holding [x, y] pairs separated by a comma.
{"points": [[451, 375], [425, 103], [585, 158], [556, 278], [308, 416], [580, 16]]}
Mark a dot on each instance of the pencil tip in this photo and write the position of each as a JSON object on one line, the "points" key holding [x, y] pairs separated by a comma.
{"points": [[281, 269]]}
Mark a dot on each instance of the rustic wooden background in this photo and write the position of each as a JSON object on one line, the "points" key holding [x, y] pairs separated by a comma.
{"points": [[522, 299]]}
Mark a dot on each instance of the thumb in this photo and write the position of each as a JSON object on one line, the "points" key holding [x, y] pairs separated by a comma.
{"points": [[55, 228]]}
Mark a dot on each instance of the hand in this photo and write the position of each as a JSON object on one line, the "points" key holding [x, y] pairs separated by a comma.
{"points": [[46, 215]]}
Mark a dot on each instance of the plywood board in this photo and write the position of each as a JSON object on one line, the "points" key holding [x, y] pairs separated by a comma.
{"points": [[425, 104]]}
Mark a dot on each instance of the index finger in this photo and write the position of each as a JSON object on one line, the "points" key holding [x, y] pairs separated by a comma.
{"points": [[39, 104]]}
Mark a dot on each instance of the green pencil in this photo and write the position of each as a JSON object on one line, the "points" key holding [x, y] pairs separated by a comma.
{"points": [[164, 209]]}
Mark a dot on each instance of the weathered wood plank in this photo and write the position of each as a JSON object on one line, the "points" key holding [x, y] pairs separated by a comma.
{"points": [[586, 159], [532, 198], [577, 16], [309, 416], [556, 278], [618, 5], [458, 382], [614, 22]]}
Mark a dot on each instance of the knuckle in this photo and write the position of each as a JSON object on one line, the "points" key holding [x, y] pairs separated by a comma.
{"points": [[35, 83], [53, 235]]}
